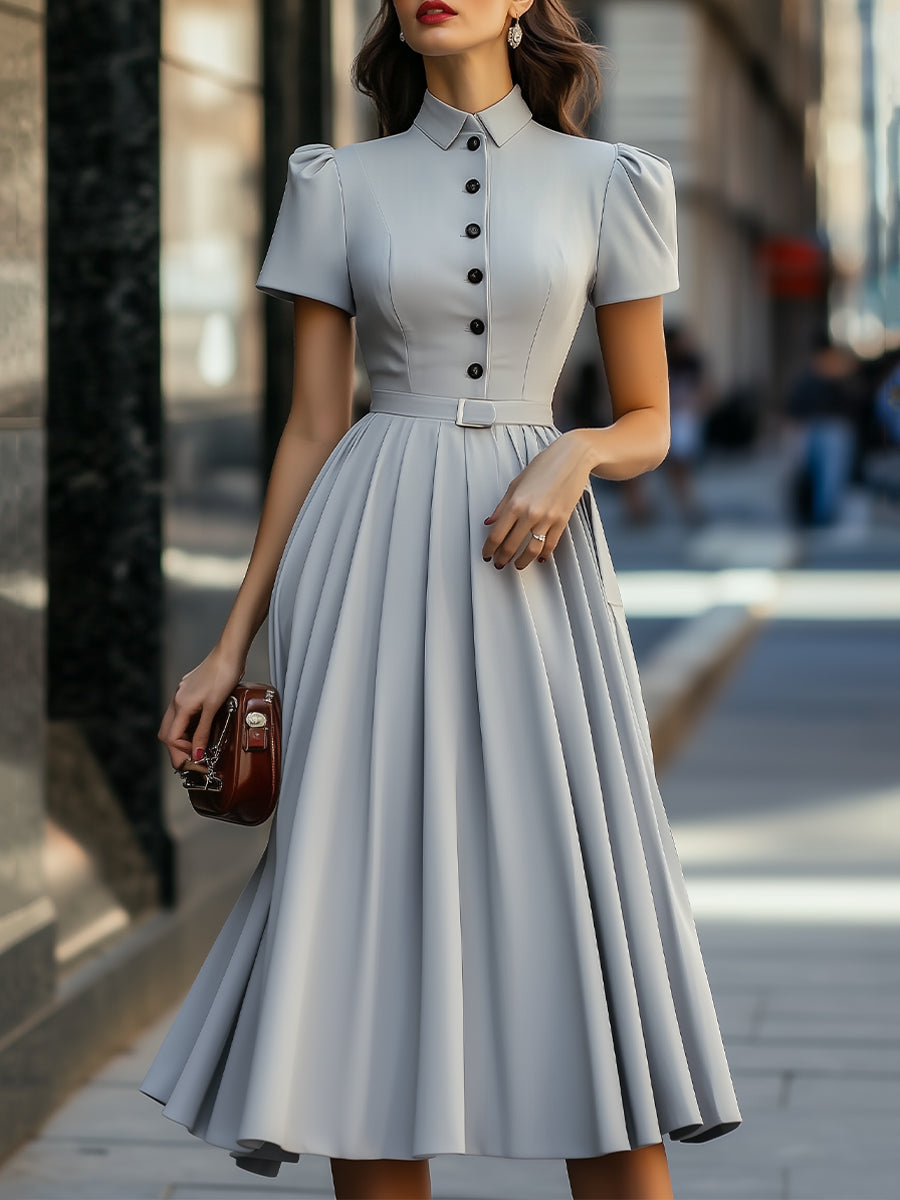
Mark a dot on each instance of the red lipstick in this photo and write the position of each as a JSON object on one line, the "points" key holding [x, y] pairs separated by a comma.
{"points": [[434, 12]]}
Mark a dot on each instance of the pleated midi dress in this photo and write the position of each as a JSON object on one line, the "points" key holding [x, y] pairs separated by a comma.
{"points": [[469, 931]]}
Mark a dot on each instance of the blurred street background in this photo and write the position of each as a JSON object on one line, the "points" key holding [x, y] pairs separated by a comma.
{"points": [[143, 386]]}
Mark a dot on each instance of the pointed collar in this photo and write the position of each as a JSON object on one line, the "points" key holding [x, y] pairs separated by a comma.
{"points": [[442, 122]]}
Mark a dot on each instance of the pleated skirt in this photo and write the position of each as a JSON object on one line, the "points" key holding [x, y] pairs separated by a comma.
{"points": [[469, 931]]}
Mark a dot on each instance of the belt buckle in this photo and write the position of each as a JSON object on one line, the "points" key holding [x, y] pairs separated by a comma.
{"points": [[460, 406]]}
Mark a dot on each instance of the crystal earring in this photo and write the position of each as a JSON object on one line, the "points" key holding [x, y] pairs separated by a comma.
{"points": [[402, 36], [514, 33]]}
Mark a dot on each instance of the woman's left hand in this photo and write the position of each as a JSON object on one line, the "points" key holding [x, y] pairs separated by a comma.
{"points": [[540, 499]]}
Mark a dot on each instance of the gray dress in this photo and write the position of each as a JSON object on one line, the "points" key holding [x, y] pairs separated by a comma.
{"points": [[469, 931]]}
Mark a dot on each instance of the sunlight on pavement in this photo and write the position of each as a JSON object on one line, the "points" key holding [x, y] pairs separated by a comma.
{"points": [[821, 899], [204, 570], [794, 594], [26, 589], [687, 593], [841, 595], [769, 853], [860, 829]]}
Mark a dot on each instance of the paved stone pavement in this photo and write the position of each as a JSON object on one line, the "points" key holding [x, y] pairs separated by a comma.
{"points": [[786, 809]]}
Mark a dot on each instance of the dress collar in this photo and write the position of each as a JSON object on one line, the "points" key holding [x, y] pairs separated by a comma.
{"points": [[442, 122]]}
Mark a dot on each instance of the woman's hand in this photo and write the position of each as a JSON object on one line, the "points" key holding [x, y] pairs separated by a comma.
{"points": [[540, 499], [187, 721]]}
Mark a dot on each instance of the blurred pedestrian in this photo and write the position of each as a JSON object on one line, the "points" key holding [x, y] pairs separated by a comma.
{"points": [[879, 441], [688, 403], [887, 406], [822, 405]]}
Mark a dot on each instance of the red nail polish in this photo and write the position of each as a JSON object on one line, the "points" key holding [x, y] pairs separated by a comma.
{"points": [[542, 560], [198, 754]]}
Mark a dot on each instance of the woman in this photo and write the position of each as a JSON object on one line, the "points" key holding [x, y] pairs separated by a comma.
{"points": [[469, 932]]}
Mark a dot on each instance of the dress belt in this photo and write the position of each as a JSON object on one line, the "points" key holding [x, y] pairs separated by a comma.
{"points": [[463, 410]]}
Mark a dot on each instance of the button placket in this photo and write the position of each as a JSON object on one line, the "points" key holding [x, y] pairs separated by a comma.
{"points": [[473, 230]]}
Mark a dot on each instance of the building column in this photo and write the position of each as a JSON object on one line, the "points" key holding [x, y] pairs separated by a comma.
{"points": [[104, 614]]}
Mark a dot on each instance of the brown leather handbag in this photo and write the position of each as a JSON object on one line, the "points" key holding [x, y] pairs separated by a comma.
{"points": [[239, 777]]}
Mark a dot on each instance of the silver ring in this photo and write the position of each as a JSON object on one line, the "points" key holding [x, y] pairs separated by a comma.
{"points": [[541, 537]]}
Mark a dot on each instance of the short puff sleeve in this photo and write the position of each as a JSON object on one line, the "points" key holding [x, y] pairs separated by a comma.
{"points": [[638, 250], [307, 254]]}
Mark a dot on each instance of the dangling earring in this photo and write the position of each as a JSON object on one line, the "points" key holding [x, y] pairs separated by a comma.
{"points": [[514, 33], [402, 36]]}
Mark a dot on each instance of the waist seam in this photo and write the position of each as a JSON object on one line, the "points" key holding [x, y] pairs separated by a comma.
{"points": [[469, 411]]}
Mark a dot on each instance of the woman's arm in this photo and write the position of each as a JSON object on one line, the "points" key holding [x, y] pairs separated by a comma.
{"points": [[320, 414], [634, 355], [543, 496]]}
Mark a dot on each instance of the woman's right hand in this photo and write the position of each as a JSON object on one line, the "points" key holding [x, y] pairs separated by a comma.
{"points": [[187, 721]]}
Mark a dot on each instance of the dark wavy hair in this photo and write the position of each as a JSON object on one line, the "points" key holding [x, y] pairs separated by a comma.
{"points": [[556, 64]]}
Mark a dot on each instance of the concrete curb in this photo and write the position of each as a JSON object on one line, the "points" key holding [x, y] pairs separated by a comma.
{"points": [[681, 676]]}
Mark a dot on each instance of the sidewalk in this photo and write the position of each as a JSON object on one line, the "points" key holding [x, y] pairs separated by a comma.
{"points": [[785, 804], [786, 812]]}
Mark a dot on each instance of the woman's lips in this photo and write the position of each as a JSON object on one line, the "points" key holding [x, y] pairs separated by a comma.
{"points": [[434, 14]]}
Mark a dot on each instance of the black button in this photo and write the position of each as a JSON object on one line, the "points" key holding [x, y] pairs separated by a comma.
{"points": [[475, 370], [474, 142], [476, 325], [473, 230], [475, 275], [472, 185]]}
